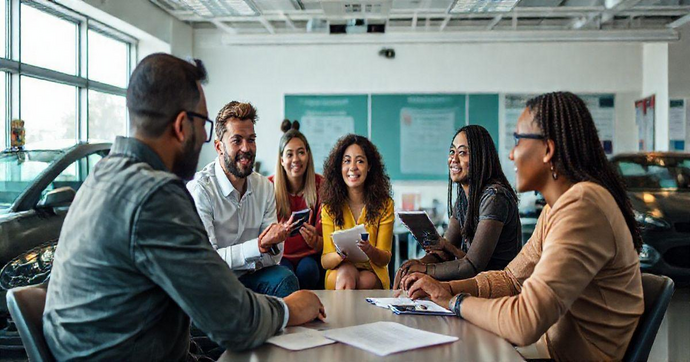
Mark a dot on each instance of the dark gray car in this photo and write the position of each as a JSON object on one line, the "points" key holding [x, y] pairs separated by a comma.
{"points": [[659, 188], [37, 185]]}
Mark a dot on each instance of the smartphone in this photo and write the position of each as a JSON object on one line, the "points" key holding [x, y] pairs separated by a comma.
{"points": [[404, 308], [300, 217]]}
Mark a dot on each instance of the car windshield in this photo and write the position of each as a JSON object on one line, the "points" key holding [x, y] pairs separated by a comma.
{"points": [[656, 173], [19, 169]]}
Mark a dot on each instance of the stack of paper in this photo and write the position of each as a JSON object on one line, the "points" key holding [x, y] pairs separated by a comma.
{"points": [[346, 242]]}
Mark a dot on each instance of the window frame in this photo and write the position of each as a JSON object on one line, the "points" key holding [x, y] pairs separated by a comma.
{"points": [[13, 67]]}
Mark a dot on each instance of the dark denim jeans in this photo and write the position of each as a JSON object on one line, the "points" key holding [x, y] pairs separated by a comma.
{"points": [[308, 271], [274, 280]]}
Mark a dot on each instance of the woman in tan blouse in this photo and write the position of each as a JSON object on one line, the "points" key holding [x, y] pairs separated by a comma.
{"points": [[575, 288]]}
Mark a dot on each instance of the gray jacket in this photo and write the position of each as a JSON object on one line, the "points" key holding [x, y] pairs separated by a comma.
{"points": [[133, 264]]}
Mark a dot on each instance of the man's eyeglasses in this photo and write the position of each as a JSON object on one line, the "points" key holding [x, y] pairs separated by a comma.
{"points": [[208, 125], [530, 136]]}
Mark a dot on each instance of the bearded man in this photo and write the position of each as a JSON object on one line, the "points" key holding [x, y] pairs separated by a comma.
{"points": [[238, 206]]}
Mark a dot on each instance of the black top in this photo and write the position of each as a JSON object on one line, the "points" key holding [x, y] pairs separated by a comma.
{"points": [[496, 203], [483, 252]]}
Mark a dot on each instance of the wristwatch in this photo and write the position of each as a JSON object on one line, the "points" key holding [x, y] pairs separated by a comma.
{"points": [[456, 302]]}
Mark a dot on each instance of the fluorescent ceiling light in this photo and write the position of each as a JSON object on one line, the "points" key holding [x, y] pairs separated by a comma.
{"points": [[483, 6], [216, 8]]}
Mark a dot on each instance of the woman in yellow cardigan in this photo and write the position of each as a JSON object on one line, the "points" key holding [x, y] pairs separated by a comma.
{"points": [[356, 190]]}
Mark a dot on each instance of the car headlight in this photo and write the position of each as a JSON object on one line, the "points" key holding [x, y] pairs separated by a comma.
{"points": [[648, 255], [649, 222]]}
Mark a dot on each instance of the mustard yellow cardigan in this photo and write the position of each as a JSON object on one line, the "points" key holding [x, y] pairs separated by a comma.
{"points": [[380, 236]]}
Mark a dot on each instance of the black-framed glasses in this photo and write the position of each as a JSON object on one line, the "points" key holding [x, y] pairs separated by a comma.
{"points": [[529, 136], [208, 124]]}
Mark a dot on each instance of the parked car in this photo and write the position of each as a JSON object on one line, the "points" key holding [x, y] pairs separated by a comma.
{"points": [[37, 185], [659, 188]]}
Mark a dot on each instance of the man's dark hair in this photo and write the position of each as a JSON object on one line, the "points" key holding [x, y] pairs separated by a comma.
{"points": [[579, 156], [162, 86], [485, 170]]}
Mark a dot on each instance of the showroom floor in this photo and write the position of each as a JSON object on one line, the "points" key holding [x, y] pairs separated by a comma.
{"points": [[673, 341]]}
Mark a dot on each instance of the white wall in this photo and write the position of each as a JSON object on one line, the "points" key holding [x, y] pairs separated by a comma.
{"points": [[679, 65], [156, 30], [655, 82], [264, 74]]}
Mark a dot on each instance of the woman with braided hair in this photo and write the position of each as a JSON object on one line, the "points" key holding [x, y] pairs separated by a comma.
{"points": [[575, 289]]}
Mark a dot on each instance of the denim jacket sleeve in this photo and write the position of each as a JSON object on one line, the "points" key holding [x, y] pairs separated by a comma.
{"points": [[169, 244]]}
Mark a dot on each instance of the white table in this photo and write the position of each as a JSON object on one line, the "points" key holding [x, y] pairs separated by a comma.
{"points": [[349, 308]]}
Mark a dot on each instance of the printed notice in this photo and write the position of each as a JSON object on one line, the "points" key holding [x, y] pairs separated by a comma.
{"points": [[424, 135], [323, 129]]}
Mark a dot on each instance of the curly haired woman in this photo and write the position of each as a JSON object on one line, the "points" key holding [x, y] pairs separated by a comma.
{"points": [[356, 190]]}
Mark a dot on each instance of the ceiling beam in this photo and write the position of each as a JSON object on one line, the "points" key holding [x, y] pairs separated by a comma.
{"points": [[267, 25], [289, 23], [222, 26], [494, 36], [545, 12], [613, 7], [494, 22], [680, 22], [445, 23]]}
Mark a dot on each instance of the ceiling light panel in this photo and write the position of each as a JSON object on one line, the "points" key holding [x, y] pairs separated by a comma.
{"points": [[483, 6], [422, 5], [214, 8], [276, 5]]}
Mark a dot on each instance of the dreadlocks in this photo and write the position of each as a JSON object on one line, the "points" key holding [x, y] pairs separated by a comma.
{"points": [[485, 170], [579, 156]]}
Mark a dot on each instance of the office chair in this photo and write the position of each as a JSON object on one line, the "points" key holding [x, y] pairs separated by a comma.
{"points": [[658, 290], [26, 306]]}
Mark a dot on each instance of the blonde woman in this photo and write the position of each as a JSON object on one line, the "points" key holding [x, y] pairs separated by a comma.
{"points": [[296, 186]]}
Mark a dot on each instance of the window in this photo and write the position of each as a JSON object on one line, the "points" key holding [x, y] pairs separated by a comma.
{"points": [[75, 174], [48, 41], [64, 74], [48, 110], [3, 31], [108, 59], [3, 109], [107, 116]]}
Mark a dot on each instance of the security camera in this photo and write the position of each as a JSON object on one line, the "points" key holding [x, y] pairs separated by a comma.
{"points": [[388, 53]]}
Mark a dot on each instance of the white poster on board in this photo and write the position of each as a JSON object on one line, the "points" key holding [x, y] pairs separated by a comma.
{"points": [[604, 116], [423, 139], [323, 129], [676, 125]]}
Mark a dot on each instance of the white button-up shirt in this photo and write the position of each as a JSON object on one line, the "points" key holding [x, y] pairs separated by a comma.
{"points": [[233, 223]]}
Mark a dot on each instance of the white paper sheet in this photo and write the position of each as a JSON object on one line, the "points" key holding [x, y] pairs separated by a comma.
{"points": [[299, 338], [346, 241], [387, 302], [384, 338]]}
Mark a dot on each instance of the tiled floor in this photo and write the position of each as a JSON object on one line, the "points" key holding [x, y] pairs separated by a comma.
{"points": [[673, 340]]}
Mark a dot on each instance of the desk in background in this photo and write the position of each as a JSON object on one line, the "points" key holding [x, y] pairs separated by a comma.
{"points": [[347, 308]]}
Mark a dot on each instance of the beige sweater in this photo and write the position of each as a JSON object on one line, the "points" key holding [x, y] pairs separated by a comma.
{"points": [[576, 284]]}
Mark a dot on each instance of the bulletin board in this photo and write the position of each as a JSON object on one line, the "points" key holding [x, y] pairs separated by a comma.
{"points": [[325, 118]]}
